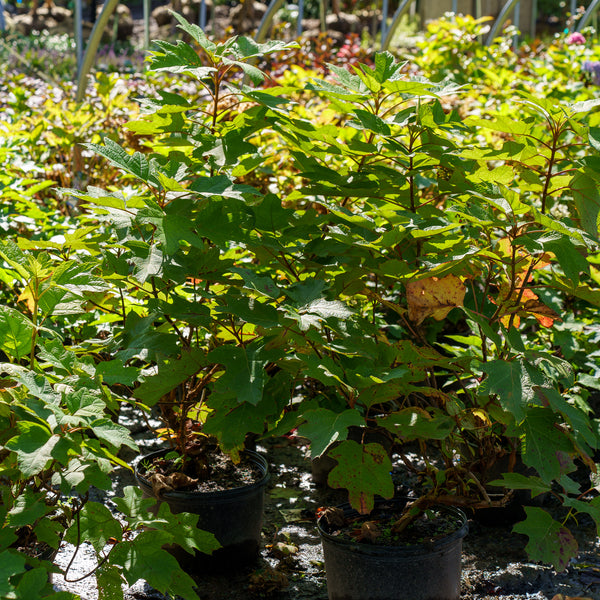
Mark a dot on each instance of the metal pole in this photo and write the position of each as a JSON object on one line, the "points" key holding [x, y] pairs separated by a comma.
{"points": [[300, 17], [2, 21], [92, 47], [202, 15], [322, 13], [500, 20], [587, 15], [384, 18], [267, 19], [573, 13], [404, 5], [534, 16], [146, 24], [517, 20], [454, 6], [78, 35]]}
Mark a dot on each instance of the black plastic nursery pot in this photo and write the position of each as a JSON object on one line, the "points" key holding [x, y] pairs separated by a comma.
{"points": [[419, 571], [234, 516]]}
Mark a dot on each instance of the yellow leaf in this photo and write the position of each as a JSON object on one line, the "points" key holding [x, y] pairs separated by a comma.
{"points": [[27, 297], [595, 274], [434, 296], [481, 415]]}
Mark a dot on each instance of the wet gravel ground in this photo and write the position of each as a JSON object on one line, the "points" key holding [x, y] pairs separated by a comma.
{"points": [[495, 565]]}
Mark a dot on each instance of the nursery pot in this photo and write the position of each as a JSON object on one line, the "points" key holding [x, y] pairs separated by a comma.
{"points": [[418, 571], [513, 509], [234, 516]]}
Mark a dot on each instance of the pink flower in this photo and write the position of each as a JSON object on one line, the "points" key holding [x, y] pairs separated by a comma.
{"points": [[575, 39]]}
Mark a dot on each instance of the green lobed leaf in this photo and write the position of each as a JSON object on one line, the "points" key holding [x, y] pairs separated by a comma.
{"points": [[260, 283], [253, 73], [108, 580], [250, 310], [184, 530], [36, 384], [195, 32], [543, 444], [516, 481], [28, 507], [549, 541], [96, 525], [590, 507], [364, 470], [583, 429], [584, 106], [15, 333], [413, 424], [50, 531], [323, 427], [11, 563], [7, 538], [388, 391], [302, 293], [315, 312], [171, 372], [33, 447], [144, 558], [149, 263], [84, 403], [114, 371], [512, 383], [244, 376], [569, 258], [587, 200], [386, 67], [57, 355], [136, 508], [372, 122], [594, 137], [136, 164], [112, 433], [180, 58], [32, 583]]}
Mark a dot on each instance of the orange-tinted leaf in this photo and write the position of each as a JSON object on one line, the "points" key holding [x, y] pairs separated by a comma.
{"points": [[434, 296], [516, 321], [544, 314], [527, 296]]}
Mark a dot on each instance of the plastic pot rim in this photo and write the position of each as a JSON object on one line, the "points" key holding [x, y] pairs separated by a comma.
{"points": [[232, 493], [404, 550]]}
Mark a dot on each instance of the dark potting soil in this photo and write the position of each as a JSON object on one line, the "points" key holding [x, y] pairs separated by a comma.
{"points": [[378, 527], [218, 473]]}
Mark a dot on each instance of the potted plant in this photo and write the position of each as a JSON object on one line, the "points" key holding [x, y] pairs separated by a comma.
{"points": [[194, 316], [60, 444], [429, 238]]}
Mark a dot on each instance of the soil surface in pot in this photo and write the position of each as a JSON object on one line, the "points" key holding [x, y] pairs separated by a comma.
{"points": [[213, 472], [379, 527]]}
